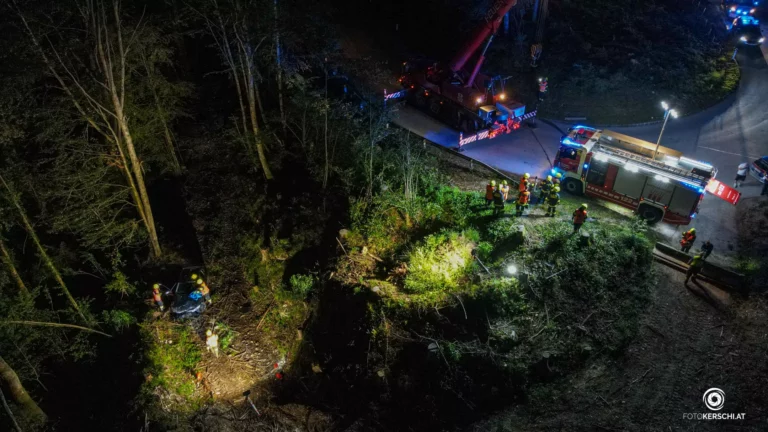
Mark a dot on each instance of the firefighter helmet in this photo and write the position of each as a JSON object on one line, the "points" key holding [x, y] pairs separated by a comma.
{"points": [[493, 182], [583, 206], [208, 332], [199, 281], [556, 189], [693, 230], [526, 175], [194, 276], [156, 287], [558, 175], [504, 182], [549, 178]]}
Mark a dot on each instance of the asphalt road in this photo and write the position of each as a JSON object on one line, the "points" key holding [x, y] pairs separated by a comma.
{"points": [[734, 131]]}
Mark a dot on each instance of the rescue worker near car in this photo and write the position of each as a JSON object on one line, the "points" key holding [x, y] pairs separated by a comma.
{"points": [[498, 202], [490, 188], [524, 185], [553, 200], [522, 202], [212, 342], [545, 188], [202, 287], [157, 297], [686, 242], [579, 216], [504, 190], [694, 267]]}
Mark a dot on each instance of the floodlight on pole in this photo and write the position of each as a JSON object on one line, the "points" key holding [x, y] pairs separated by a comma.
{"points": [[667, 112]]}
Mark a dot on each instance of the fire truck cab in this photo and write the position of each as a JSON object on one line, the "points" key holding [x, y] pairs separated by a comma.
{"points": [[659, 184]]}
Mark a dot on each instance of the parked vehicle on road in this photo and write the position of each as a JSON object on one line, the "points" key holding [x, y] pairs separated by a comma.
{"points": [[759, 169], [658, 183], [742, 9]]}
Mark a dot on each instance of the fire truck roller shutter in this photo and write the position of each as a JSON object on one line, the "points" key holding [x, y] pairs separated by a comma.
{"points": [[658, 191], [684, 201], [629, 183]]}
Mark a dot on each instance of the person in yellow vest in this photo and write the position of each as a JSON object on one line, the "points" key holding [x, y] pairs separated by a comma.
{"points": [[505, 190], [490, 188], [204, 290], [694, 267], [157, 297]]}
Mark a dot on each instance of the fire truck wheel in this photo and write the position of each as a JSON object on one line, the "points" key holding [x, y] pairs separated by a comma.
{"points": [[574, 187], [651, 214]]}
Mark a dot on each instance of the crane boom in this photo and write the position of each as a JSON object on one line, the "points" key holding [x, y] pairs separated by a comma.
{"points": [[492, 21]]}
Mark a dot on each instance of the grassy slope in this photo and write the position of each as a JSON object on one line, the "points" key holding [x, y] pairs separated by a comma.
{"points": [[613, 61]]}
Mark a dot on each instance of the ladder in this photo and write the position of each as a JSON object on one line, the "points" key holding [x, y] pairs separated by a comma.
{"points": [[647, 161]]}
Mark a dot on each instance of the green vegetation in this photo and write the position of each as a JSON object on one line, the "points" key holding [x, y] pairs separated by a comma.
{"points": [[172, 360], [563, 302]]}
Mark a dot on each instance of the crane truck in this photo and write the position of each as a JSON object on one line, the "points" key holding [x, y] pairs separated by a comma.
{"points": [[658, 183], [467, 100]]}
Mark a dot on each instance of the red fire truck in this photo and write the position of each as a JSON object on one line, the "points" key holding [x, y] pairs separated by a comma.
{"points": [[657, 183]]}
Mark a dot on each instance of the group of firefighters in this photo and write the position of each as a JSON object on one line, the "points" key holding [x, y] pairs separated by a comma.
{"points": [[548, 192], [201, 290]]}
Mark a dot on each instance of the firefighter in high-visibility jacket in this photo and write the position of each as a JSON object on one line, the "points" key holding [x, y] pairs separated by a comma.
{"points": [[522, 202], [553, 199], [202, 287], [524, 183], [694, 267], [498, 202], [688, 237], [157, 297], [490, 188], [579, 216], [504, 190], [544, 188]]}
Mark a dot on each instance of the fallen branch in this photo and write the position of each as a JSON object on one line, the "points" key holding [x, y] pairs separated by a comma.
{"points": [[342, 246], [50, 324], [462, 305], [10, 413], [643, 376], [266, 312]]}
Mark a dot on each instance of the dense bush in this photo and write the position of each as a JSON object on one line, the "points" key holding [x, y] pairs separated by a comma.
{"points": [[440, 263]]}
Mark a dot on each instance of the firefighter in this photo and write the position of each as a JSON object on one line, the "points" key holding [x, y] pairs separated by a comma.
{"points": [[490, 188], [212, 342], [543, 84], [694, 267], [545, 187], [522, 202], [579, 216], [688, 237], [556, 180], [157, 297], [553, 200], [498, 202], [706, 249], [193, 277], [524, 184], [202, 287], [504, 190]]}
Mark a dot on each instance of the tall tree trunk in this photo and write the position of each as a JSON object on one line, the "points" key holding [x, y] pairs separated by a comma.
{"points": [[19, 394], [43, 254], [162, 116], [8, 261], [279, 61], [326, 166], [251, 87]]}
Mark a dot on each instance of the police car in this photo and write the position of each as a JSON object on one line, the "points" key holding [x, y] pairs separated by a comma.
{"points": [[759, 169], [747, 29]]}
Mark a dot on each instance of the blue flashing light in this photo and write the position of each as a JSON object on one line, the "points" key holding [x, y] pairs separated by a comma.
{"points": [[570, 142], [586, 166], [693, 215], [553, 171]]}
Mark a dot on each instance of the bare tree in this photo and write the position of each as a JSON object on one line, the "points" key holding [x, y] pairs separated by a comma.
{"points": [[19, 394], [100, 98]]}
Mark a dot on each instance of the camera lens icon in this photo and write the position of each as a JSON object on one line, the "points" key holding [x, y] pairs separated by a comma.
{"points": [[714, 399]]}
